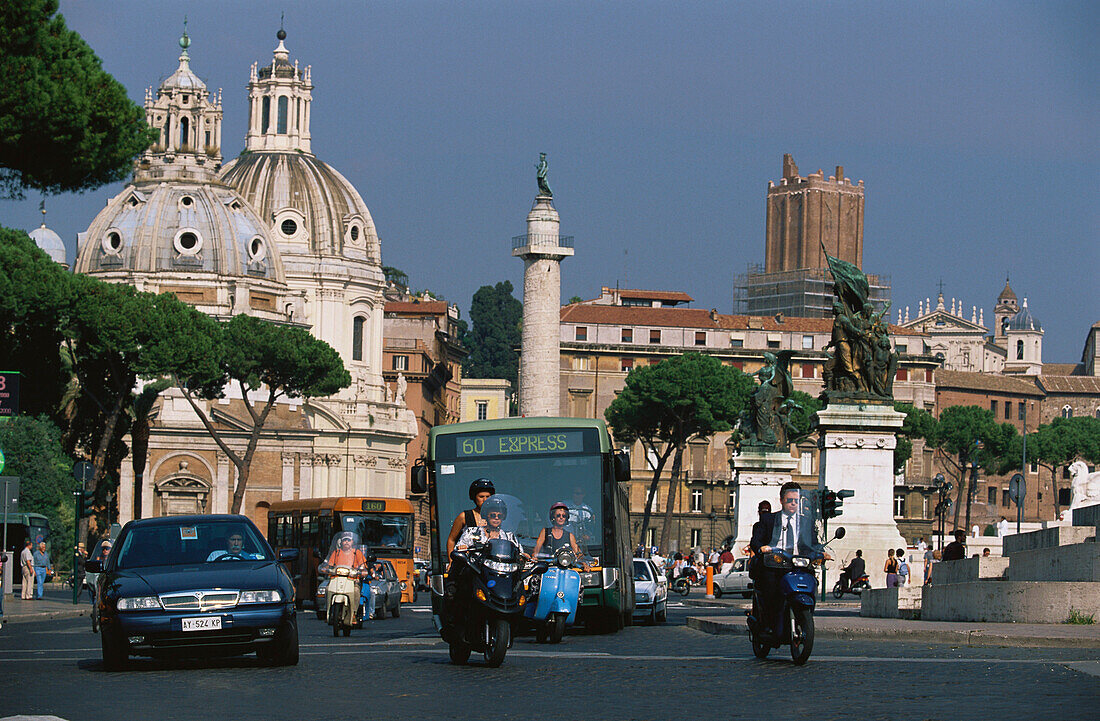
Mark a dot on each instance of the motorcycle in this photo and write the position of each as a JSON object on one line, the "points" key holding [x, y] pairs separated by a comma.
{"points": [[795, 615], [861, 584], [344, 568], [553, 597], [682, 584], [490, 599]]}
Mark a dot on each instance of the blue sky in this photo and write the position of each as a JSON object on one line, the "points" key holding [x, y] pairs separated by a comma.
{"points": [[973, 126]]}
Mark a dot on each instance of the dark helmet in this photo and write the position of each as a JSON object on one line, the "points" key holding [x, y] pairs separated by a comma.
{"points": [[494, 504], [558, 504], [481, 485]]}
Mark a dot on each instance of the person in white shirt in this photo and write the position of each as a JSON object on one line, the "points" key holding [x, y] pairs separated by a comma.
{"points": [[922, 546], [1002, 527]]}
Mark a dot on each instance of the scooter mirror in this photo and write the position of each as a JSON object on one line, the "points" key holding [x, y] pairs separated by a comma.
{"points": [[840, 532], [542, 567]]}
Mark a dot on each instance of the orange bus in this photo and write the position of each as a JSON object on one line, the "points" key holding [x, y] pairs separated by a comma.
{"points": [[385, 525]]}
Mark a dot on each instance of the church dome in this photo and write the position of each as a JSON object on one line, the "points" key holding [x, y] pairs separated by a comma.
{"points": [[1024, 320], [312, 207], [183, 227], [50, 242]]}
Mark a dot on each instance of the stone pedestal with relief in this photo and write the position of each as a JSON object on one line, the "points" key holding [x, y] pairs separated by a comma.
{"points": [[856, 443], [758, 475]]}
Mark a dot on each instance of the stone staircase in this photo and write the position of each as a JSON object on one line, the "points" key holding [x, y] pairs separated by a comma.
{"points": [[1043, 575]]}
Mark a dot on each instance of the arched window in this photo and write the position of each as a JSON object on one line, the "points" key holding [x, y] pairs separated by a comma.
{"points": [[183, 132], [283, 104], [1067, 411], [265, 114], [1098, 412], [357, 337], [1019, 350]]}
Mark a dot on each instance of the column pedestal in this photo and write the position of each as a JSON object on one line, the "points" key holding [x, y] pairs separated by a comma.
{"points": [[857, 444], [759, 474]]}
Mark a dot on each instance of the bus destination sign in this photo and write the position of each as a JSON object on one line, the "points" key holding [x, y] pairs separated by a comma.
{"points": [[374, 506], [519, 443]]}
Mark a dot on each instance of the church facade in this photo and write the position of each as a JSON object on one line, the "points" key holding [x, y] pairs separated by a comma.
{"points": [[275, 233]]}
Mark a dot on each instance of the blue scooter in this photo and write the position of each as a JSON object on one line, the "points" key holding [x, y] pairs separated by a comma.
{"points": [[553, 597], [795, 617]]}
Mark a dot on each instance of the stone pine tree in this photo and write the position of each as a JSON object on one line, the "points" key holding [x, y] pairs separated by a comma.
{"points": [[497, 319], [65, 123], [667, 405], [969, 437], [1057, 444], [918, 423], [262, 360]]}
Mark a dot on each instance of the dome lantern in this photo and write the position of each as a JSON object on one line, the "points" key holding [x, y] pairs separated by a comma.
{"points": [[279, 104]]}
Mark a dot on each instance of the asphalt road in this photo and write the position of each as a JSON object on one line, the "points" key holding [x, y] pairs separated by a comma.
{"points": [[398, 669]]}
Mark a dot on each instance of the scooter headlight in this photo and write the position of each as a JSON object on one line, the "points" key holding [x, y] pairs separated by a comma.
{"points": [[801, 562]]}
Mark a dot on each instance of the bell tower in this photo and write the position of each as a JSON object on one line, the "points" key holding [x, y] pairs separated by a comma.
{"points": [[279, 96], [189, 121]]}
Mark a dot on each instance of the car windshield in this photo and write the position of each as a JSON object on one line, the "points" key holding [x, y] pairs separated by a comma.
{"points": [[641, 571], [380, 531], [530, 485], [172, 544]]}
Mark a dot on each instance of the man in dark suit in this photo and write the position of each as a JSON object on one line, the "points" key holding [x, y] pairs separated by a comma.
{"points": [[855, 569], [764, 509], [790, 530]]}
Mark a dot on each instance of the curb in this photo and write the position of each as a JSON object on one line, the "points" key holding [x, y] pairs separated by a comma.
{"points": [[46, 615], [962, 637]]}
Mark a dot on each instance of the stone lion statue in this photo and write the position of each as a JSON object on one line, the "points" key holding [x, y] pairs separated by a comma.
{"points": [[1086, 486]]}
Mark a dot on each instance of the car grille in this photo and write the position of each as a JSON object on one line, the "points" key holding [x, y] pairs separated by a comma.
{"points": [[199, 600]]}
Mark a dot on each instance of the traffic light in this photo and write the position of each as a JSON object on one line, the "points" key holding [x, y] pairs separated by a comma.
{"points": [[84, 500], [831, 501]]}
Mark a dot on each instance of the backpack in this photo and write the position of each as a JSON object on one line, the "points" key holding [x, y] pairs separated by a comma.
{"points": [[903, 568]]}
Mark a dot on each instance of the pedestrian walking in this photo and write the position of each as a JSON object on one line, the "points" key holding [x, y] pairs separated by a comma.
{"points": [[41, 569], [921, 545], [26, 564], [80, 556], [891, 569], [1002, 527], [903, 568], [929, 559]]}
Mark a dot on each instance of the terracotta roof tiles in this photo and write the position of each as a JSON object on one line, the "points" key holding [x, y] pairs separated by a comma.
{"points": [[987, 382]]}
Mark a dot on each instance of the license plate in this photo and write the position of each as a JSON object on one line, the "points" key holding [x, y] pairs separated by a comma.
{"points": [[202, 623]]}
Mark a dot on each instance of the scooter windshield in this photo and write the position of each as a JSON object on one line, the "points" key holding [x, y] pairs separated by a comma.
{"points": [[345, 551], [501, 549], [795, 526]]}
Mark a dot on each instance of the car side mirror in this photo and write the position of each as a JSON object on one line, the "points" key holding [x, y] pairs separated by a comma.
{"points": [[420, 477], [93, 566], [288, 554], [840, 532]]}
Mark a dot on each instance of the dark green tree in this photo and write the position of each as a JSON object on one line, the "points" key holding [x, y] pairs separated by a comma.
{"points": [[32, 449], [65, 123], [1058, 444], [918, 423], [35, 297], [667, 405], [969, 437], [258, 357], [497, 319]]}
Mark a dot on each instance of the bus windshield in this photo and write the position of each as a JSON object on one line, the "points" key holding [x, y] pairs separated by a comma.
{"points": [[530, 485], [379, 531]]}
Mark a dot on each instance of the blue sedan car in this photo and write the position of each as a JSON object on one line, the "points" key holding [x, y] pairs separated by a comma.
{"points": [[195, 586]]}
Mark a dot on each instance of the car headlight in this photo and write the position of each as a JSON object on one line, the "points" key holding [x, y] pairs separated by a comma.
{"points": [[139, 603], [501, 566], [271, 596], [643, 597]]}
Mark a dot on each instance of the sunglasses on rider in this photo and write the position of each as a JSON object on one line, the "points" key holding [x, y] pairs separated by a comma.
{"points": [[561, 514], [494, 514]]}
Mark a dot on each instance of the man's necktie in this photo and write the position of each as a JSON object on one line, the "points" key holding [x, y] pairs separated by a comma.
{"points": [[788, 534]]}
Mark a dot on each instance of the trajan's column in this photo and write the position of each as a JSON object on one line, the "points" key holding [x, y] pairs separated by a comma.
{"points": [[542, 250]]}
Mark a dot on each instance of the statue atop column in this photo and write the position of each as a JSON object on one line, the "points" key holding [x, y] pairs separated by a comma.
{"points": [[541, 168], [863, 364], [766, 424]]}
